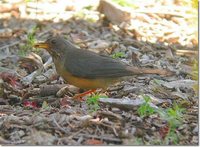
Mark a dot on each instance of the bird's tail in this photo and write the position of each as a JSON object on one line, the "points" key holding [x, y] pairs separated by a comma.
{"points": [[140, 70]]}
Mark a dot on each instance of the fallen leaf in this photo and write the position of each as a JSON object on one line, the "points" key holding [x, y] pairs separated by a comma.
{"points": [[11, 79], [44, 105], [64, 102], [93, 142], [31, 62], [30, 104], [164, 131]]}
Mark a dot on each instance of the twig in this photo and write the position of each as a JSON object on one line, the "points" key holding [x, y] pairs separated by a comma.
{"points": [[74, 134], [9, 45], [125, 104], [46, 90], [110, 114], [108, 124], [54, 120], [187, 53], [105, 138]]}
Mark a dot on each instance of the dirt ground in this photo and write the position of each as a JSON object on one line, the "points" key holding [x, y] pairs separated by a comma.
{"points": [[139, 110]]}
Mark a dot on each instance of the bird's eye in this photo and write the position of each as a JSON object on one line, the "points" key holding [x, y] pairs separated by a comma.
{"points": [[53, 41]]}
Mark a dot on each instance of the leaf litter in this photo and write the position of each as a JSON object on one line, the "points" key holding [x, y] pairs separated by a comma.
{"points": [[34, 108]]}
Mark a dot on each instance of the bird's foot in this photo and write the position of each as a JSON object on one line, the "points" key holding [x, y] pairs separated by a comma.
{"points": [[79, 97]]}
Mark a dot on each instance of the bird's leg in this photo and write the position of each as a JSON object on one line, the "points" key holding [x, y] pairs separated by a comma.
{"points": [[79, 96]]}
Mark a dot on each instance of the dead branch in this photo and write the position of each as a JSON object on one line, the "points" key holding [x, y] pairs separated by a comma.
{"points": [[187, 53], [105, 138], [125, 104]]}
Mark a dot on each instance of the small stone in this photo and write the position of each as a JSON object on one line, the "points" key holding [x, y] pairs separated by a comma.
{"points": [[115, 109], [138, 119], [124, 134], [182, 127], [141, 78], [21, 133], [40, 79], [195, 140], [145, 59], [50, 73], [16, 135], [130, 89], [147, 137], [125, 61], [6, 32], [133, 130], [115, 43], [107, 36], [133, 48], [98, 45], [153, 129], [140, 83], [122, 48], [195, 130]]}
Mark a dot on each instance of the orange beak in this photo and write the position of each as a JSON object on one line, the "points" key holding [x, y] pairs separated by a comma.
{"points": [[42, 45]]}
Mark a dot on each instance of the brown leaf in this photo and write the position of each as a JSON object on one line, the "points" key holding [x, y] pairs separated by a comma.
{"points": [[93, 142], [64, 102], [11, 79], [31, 62], [164, 131]]}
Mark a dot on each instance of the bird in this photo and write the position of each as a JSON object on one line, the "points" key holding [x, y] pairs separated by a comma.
{"points": [[89, 70]]}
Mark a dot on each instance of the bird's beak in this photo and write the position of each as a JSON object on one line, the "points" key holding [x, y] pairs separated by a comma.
{"points": [[42, 45]]}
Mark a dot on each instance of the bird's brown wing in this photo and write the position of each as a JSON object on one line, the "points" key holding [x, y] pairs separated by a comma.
{"points": [[90, 65]]}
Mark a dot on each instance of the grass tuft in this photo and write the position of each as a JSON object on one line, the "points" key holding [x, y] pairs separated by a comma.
{"points": [[93, 103]]}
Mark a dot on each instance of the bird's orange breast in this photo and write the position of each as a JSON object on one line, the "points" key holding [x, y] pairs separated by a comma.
{"points": [[82, 82]]}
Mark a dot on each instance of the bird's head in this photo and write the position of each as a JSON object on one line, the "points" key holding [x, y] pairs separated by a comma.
{"points": [[56, 46]]}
